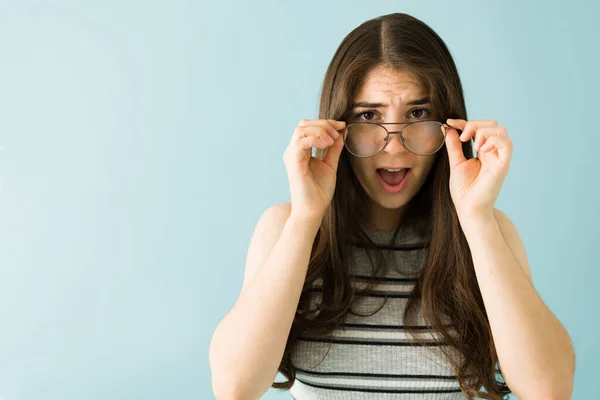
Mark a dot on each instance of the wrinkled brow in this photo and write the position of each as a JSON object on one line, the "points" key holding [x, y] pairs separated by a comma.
{"points": [[367, 104]]}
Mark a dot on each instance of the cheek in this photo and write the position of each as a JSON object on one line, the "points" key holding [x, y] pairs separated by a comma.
{"points": [[426, 165], [361, 168]]}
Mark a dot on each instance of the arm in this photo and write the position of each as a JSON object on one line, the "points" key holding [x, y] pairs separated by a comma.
{"points": [[534, 349], [248, 343]]}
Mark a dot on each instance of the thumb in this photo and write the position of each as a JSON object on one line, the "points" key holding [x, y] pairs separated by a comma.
{"points": [[454, 147], [332, 156]]}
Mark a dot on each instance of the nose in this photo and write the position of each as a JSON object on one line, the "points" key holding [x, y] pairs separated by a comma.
{"points": [[394, 145]]}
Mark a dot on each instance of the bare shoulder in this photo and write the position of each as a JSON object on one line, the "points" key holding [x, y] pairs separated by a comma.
{"points": [[265, 235]]}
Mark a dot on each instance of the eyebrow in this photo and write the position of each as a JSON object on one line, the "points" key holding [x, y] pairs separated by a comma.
{"points": [[366, 104]]}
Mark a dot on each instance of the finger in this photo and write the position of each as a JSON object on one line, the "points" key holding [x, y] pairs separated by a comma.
{"points": [[496, 142], [454, 147], [503, 145], [319, 131], [300, 148], [473, 126], [315, 138], [336, 128], [483, 133], [306, 122], [332, 155], [330, 125], [337, 125], [469, 127], [457, 123]]}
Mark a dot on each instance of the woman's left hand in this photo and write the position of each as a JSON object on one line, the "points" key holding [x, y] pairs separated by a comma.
{"points": [[475, 183]]}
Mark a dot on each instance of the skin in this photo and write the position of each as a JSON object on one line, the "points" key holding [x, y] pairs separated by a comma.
{"points": [[394, 89], [534, 348]]}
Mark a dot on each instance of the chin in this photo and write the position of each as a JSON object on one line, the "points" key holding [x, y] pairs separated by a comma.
{"points": [[393, 203]]}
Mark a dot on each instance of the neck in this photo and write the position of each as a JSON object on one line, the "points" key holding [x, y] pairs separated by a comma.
{"points": [[384, 219]]}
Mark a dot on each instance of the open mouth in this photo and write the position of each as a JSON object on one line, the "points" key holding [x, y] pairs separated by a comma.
{"points": [[393, 180]]}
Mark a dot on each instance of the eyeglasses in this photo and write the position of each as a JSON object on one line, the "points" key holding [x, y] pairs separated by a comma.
{"points": [[367, 139]]}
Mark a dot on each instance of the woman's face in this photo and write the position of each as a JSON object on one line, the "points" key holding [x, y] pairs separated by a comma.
{"points": [[403, 99]]}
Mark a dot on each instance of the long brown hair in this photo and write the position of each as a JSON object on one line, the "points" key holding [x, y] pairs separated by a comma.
{"points": [[447, 288]]}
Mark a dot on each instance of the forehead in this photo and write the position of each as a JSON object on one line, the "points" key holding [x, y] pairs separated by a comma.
{"points": [[384, 83]]}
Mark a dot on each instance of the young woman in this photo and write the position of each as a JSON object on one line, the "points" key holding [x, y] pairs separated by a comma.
{"points": [[390, 274]]}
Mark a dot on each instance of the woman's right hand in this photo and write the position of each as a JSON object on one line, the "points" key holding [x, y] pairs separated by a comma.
{"points": [[312, 181]]}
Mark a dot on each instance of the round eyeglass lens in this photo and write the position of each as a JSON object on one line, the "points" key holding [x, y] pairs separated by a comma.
{"points": [[364, 139], [423, 138]]}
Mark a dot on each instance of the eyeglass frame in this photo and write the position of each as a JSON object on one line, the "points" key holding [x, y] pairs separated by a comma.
{"points": [[387, 137]]}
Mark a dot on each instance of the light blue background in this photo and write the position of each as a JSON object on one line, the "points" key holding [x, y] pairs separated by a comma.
{"points": [[140, 142]]}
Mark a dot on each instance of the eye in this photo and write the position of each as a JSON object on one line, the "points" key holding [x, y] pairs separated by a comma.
{"points": [[370, 115], [420, 112], [366, 115]]}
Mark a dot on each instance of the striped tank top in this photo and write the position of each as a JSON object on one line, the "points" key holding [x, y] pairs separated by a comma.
{"points": [[373, 357]]}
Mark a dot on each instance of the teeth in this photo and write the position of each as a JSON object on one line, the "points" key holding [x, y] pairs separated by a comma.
{"points": [[394, 170]]}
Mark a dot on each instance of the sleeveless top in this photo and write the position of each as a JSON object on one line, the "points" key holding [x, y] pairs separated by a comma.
{"points": [[373, 357]]}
